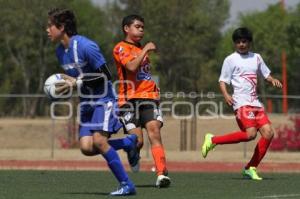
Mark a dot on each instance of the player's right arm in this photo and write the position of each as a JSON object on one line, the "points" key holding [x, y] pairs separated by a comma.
{"points": [[225, 78], [134, 64], [228, 98]]}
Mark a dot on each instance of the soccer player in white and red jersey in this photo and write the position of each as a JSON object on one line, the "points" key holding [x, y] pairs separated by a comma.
{"points": [[240, 69]]}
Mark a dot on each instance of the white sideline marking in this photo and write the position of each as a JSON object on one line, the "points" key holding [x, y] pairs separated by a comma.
{"points": [[280, 196]]}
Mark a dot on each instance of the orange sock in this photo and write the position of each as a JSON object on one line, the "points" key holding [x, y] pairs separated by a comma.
{"points": [[159, 157]]}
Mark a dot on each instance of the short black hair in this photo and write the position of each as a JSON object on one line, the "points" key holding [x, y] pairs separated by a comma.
{"points": [[63, 17], [242, 33], [128, 20]]}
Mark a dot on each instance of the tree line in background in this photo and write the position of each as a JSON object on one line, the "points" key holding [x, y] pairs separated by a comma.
{"points": [[191, 46]]}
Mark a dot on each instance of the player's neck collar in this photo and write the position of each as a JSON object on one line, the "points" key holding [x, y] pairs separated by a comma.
{"points": [[67, 42], [243, 54], [131, 43]]}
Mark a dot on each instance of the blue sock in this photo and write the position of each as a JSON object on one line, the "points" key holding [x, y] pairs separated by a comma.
{"points": [[116, 166], [122, 143]]}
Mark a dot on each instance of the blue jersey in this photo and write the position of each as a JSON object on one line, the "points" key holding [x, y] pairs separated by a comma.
{"points": [[83, 57], [98, 108]]}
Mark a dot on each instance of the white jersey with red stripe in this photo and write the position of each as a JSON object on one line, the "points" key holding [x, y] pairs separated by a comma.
{"points": [[241, 72]]}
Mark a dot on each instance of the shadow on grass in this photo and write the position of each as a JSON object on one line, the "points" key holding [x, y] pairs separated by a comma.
{"points": [[86, 193], [248, 179], [145, 186], [93, 194]]}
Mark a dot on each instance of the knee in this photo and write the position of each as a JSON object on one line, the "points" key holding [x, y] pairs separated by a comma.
{"points": [[86, 147], [100, 143], [87, 152], [154, 136], [268, 134], [153, 131], [252, 136], [140, 143]]}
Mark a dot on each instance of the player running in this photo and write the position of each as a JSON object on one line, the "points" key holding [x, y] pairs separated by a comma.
{"points": [[86, 68], [240, 69], [138, 93]]}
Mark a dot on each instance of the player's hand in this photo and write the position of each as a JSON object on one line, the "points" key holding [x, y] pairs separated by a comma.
{"points": [[149, 47], [62, 88], [65, 87], [276, 83], [229, 100], [71, 81]]}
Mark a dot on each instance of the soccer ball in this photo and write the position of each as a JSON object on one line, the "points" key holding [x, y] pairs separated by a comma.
{"points": [[50, 85]]}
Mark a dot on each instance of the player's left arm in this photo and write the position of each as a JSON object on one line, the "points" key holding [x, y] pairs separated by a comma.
{"points": [[96, 60], [95, 80], [135, 63], [86, 81], [266, 73], [275, 82]]}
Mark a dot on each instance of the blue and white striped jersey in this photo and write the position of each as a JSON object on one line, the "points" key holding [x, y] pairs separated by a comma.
{"points": [[84, 57]]}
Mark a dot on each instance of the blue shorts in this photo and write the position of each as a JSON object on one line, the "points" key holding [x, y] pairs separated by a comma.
{"points": [[98, 116]]}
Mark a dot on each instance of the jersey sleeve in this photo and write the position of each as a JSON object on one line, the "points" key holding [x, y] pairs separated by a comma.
{"points": [[94, 56], [226, 73], [122, 54], [262, 67]]}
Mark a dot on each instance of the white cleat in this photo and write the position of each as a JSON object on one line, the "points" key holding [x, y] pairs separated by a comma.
{"points": [[162, 181]]}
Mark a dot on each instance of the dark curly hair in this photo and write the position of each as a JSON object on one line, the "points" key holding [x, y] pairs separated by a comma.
{"points": [[63, 17], [128, 20], [242, 33]]}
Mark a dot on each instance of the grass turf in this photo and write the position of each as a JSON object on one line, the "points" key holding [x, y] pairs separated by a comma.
{"points": [[93, 184]]}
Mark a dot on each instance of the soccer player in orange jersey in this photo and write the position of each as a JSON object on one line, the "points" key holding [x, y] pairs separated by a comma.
{"points": [[138, 93]]}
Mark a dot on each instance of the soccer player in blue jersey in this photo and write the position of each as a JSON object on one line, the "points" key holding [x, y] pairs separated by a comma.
{"points": [[86, 70]]}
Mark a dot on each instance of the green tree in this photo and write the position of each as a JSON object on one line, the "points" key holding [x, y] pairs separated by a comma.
{"points": [[293, 39], [186, 34], [27, 58], [270, 39], [269, 44]]}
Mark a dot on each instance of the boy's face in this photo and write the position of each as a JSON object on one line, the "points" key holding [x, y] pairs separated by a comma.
{"points": [[242, 46], [55, 34], [135, 31]]}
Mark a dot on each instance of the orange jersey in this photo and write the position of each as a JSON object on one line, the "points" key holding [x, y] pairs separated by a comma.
{"points": [[137, 84]]}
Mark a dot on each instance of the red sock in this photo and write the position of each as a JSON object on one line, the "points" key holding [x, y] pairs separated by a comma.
{"points": [[230, 138], [159, 157], [259, 152]]}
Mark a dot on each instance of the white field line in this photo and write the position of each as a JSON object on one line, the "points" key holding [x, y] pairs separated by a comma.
{"points": [[281, 196]]}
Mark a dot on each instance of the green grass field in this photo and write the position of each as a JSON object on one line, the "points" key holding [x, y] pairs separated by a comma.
{"points": [[93, 184]]}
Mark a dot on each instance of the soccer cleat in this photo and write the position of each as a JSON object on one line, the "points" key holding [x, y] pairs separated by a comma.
{"points": [[162, 181], [251, 174], [207, 144], [133, 154], [125, 189]]}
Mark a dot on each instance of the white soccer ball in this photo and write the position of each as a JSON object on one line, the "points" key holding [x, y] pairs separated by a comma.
{"points": [[49, 87]]}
